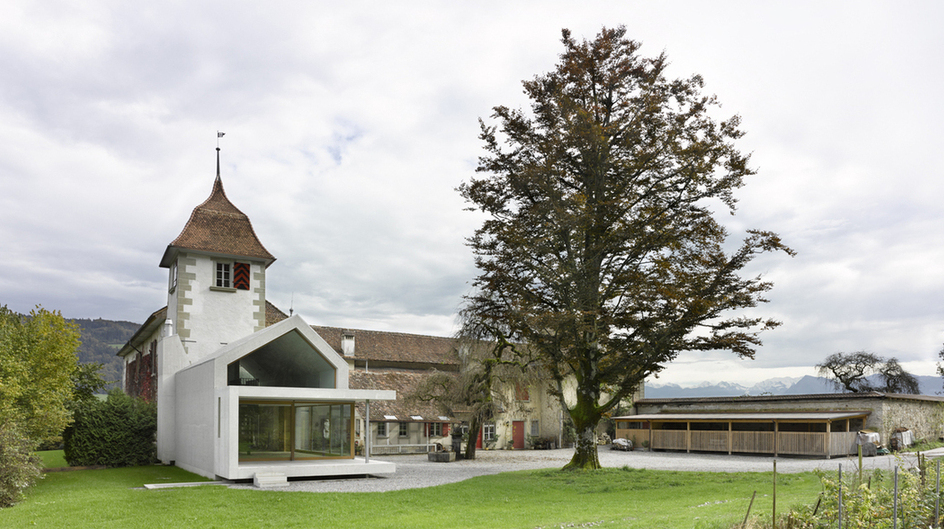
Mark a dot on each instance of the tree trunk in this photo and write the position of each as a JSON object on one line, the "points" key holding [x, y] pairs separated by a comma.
{"points": [[585, 450], [474, 427], [585, 416]]}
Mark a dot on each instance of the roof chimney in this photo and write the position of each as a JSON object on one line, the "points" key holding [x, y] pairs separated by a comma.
{"points": [[347, 343]]}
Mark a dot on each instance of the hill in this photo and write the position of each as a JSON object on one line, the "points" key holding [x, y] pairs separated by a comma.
{"points": [[101, 340]]}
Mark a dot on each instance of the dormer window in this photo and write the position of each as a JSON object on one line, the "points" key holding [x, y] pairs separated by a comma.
{"points": [[224, 275]]}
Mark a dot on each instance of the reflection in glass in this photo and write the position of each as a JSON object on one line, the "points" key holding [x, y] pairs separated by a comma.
{"points": [[322, 430], [265, 432], [284, 431]]}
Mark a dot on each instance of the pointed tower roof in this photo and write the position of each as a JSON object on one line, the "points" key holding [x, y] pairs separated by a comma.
{"points": [[217, 226]]}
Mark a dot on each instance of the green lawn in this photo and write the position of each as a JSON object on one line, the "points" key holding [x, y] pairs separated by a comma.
{"points": [[53, 458], [543, 498]]}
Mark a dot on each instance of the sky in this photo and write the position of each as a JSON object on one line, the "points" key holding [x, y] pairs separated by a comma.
{"points": [[349, 126]]}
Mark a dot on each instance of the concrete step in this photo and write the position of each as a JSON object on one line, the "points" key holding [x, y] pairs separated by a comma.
{"points": [[265, 480]]}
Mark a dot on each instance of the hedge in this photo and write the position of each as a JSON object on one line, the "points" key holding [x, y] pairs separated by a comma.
{"points": [[116, 432]]}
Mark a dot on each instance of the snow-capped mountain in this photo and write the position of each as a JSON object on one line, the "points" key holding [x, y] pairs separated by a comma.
{"points": [[930, 385]]}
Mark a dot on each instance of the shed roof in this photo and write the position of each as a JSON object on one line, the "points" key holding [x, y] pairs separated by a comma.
{"points": [[805, 416]]}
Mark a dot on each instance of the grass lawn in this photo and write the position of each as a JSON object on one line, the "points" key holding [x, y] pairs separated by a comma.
{"points": [[527, 499], [53, 458]]}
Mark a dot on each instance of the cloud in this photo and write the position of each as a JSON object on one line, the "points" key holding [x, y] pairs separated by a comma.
{"points": [[349, 127]]}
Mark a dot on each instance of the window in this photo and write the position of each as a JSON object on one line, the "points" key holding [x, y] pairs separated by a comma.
{"points": [[223, 275], [488, 431], [173, 277], [521, 392], [535, 429], [152, 350], [273, 431], [404, 429], [381, 429], [435, 429]]}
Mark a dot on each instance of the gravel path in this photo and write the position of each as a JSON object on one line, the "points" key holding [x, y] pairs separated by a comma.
{"points": [[415, 471]]}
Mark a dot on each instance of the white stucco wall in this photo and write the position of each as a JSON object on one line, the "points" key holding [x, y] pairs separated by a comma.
{"points": [[171, 358], [208, 319], [196, 420]]}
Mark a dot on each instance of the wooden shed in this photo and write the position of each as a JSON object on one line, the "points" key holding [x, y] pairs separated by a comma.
{"points": [[815, 434]]}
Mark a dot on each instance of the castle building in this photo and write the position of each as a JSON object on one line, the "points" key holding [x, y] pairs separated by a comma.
{"points": [[242, 391]]}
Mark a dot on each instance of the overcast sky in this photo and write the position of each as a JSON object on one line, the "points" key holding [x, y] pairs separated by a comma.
{"points": [[350, 124]]}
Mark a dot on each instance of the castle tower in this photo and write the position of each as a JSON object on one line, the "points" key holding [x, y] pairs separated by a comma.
{"points": [[216, 280]]}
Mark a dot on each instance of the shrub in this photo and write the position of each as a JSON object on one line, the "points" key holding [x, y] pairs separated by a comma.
{"points": [[117, 432], [20, 467]]}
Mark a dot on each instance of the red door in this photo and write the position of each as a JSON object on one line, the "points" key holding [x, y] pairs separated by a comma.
{"points": [[478, 441], [517, 434]]}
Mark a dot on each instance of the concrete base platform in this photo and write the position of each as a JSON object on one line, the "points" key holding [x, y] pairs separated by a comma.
{"points": [[315, 469]]}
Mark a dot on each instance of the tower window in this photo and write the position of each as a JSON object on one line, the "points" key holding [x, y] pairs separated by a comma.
{"points": [[223, 275], [173, 277]]}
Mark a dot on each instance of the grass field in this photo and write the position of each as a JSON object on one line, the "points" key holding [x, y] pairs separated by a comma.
{"points": [[528, 499]]}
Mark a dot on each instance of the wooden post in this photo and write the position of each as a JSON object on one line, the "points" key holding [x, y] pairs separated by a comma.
{"points": [[776, 439], [773, 517], [829, 426], [751, 504], [730, 436]]}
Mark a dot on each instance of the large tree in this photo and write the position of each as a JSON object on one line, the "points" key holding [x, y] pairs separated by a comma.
{"points": [[600, 250]]}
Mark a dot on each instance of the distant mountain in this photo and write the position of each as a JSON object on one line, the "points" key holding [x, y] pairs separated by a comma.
{"points": [[930, 385], [101, 340]]}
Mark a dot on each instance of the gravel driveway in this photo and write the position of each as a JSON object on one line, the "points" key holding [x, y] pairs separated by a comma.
{"points": [[415, 471]]}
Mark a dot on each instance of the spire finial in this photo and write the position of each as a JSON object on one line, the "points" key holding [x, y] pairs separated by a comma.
{"points": [[218, 136]]}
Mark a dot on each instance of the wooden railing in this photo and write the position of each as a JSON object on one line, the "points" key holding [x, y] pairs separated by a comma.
{"points": [[842, 443], [709, 441], [753, 442], [789, 443], [802, 443], [670, 439]]}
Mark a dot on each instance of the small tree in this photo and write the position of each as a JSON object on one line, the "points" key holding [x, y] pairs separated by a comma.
{"points": [[20, 467], [480, 389], [854, 372], [37, 359], [37, 356]]}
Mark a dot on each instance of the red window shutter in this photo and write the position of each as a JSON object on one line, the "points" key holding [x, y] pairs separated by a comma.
{"points": [[445, 429], [241, 276], [521, 392]]}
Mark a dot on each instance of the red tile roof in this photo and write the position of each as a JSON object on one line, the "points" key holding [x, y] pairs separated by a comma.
{"points": [[217, 226], [394, 348]]}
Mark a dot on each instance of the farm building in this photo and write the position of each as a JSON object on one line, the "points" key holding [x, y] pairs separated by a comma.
{"points": [[807, 425]]}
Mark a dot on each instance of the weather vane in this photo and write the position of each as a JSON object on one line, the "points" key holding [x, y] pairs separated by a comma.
{"points": [[218, 136]]}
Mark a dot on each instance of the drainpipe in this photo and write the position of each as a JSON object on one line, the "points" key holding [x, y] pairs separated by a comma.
{"points": [[367, 432]]}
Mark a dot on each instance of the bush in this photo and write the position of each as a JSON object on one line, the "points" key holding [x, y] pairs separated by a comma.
{"points": [[20, 467], [117, 432]]}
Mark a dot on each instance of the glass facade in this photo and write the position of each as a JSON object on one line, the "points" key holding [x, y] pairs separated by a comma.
{"points": [[290, 431]]}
